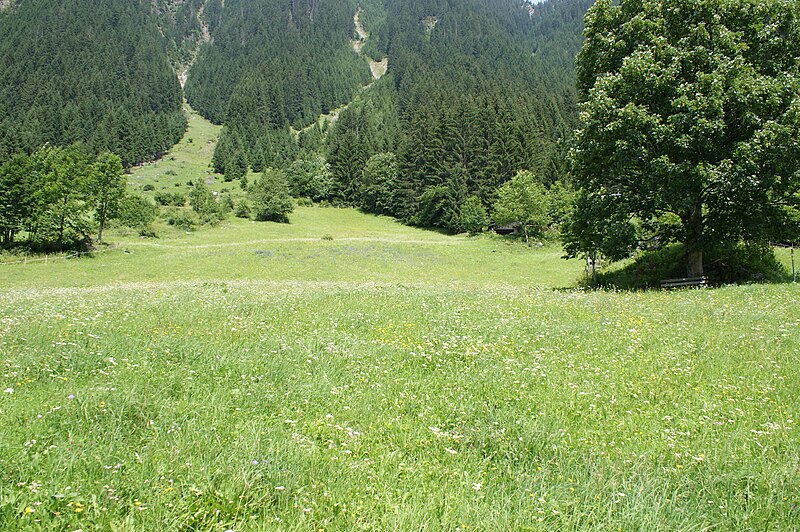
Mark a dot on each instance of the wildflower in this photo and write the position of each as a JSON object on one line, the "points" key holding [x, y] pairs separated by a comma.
{"points": [[9, 391], [28, 510], [477, 486], [71, 397]]}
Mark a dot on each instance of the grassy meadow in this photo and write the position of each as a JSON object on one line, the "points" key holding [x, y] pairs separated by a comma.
{"points": [[345, 372]]}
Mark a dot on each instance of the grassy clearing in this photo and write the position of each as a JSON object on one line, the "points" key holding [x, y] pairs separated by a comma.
{"points": [[187, 161], [329, 245]]}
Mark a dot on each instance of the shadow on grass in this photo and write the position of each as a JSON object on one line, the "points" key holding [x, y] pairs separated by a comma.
{"points": [[740, 264]]}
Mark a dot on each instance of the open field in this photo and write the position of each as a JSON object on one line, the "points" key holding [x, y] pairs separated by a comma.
{"points": [[345, 372]]}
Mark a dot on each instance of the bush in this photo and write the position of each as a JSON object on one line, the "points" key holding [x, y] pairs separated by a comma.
{"points": [[473, 215], [170, 199], [226, 204], [148, 187], [137, 212], [182, 219], [243, 209]]}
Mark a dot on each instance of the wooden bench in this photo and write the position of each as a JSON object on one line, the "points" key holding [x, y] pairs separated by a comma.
{"points": [[684, 282]]}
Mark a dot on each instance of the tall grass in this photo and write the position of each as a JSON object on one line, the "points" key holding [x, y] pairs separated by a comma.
{"points": [[387, 379]]}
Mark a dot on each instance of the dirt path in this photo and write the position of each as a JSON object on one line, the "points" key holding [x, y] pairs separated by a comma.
{"points": [[451, 241]]}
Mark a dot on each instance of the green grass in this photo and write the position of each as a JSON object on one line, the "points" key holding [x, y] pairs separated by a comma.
{"points": [[327, 245], [260, 376], [187, 161]]}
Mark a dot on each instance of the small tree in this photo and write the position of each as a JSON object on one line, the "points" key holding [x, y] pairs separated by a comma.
{"points": [[473, 215], [523, 200], [204, 204], [376, 189], [236, 166], [107, 187], [310, 178], [269, 197]]}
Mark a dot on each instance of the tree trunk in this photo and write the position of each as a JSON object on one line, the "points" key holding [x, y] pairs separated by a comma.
{"points": [[694, 267], [694, 242]]}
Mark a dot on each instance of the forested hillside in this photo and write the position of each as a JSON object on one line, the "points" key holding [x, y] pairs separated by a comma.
{"points": [[90, 72], [273, 65], [476, 91]]}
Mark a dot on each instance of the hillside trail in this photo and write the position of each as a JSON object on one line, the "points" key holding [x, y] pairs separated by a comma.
{"points": [[452, 241]]}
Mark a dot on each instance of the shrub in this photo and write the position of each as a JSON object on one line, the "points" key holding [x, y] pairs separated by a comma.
{"points": [[243, 209], [170, 199], [137, 212], [182, 219], [473, 215]]}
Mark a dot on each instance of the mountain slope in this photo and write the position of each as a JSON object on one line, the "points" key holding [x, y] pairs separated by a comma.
{"points": [[89, 72], [476, 90]]}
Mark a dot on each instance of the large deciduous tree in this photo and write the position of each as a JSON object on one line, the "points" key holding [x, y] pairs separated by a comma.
{"points": [[62, 212], [689, 123]]}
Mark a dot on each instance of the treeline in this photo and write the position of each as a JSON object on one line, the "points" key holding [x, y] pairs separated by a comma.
{"points": [[58, 197], [90, 72]]}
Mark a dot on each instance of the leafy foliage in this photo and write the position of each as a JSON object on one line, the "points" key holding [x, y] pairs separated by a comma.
{"points": [[473, 215], [137, 212], [269, 197], [691, 113], [57, 195], [523, 200], [377, 189]]}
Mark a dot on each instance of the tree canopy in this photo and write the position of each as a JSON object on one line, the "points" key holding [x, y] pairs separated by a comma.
{"points": [[689, 124]]}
